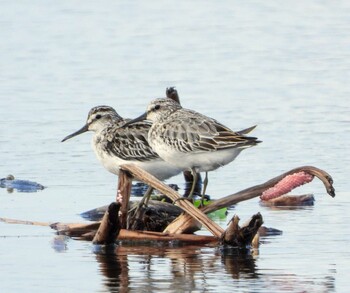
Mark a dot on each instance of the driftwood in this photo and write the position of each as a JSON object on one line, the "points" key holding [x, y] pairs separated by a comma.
{"points": [[83, 231], [234, 235], [242, 236], [124, 188], [186, 205], [237, 237], [88, 232], [185, 223], [109, 227], [110, 224], [107, 231], [23, 222]]}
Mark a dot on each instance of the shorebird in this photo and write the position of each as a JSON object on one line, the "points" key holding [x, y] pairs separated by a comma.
{"points": [[190, 140], [114, 146], [172, 93]]}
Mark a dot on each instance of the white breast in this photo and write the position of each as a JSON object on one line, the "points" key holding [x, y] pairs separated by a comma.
{"points": [[157, 167]]}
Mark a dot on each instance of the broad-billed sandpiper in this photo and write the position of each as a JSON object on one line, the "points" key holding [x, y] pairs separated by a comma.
{"points": [[115, 146], [190, 140]]}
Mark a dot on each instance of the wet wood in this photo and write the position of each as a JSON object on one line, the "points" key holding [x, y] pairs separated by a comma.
{"points": [[157, 236], [185, 223], [234, 235], [242, 236], [75, 229], [109, 227], [124, 189], [83, 231], [290, 200], [257, 190], [14, 221], [185, 205], [87, 232]]}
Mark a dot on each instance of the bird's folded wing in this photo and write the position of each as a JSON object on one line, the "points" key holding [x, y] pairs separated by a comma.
{"points": [[203, 134], [130, 143]]}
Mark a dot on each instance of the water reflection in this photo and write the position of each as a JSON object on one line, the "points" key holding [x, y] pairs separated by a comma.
{"points": [[284, 67], [181, 268], [114, 268], [60, 243], [193, 268], [238, 263]]}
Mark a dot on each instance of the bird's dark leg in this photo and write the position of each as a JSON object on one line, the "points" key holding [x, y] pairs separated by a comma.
{"points": [[147, 196], [205, 183], [194, 183], [139, 212]]}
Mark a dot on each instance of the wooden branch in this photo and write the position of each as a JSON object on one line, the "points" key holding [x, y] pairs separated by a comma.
{"points": [[75, 229], [14, 221], [157, 236], [85, 232], [290, 200], [104, 234], [124, 189], [187, 206], [242, 236], [234, 235], [257, 190], [185, 223], [109, 227]]}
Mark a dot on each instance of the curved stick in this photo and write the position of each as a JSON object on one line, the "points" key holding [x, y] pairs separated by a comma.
{"points": [[184, 223], [257, 190]]}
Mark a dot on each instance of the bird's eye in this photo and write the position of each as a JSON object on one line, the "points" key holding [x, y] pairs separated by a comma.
{"points": [[98, 116], [156, 107]]}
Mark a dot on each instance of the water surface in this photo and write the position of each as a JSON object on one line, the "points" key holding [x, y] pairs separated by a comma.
{"points": [[283, 66]]}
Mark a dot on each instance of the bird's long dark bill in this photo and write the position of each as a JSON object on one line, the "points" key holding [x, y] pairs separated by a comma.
{"points": [[140, 118], [81, 130]]}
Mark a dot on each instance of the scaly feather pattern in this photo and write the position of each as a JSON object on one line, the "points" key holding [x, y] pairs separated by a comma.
{"points": [[115, 146]]}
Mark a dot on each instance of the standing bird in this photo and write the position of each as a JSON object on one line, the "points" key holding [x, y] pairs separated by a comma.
{"points": [[190, 140], [172, 93], [115, 146]]}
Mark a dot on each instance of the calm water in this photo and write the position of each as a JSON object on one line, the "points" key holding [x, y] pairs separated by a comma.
{"points": [[285, 67]]}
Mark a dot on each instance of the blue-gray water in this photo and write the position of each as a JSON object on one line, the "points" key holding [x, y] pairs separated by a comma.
{"points": [[282, 65]]}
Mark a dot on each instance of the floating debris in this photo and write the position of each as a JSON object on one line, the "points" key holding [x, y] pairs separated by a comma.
{"points": [[20, 185]]}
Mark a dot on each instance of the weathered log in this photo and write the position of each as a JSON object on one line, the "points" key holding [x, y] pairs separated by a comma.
{"points": [[242, 236], [109, 227], [239, 237], [185, 223], [157, 236], [187, 206], [83, 231], [192, 225], [141, 236], [236, 236]]}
